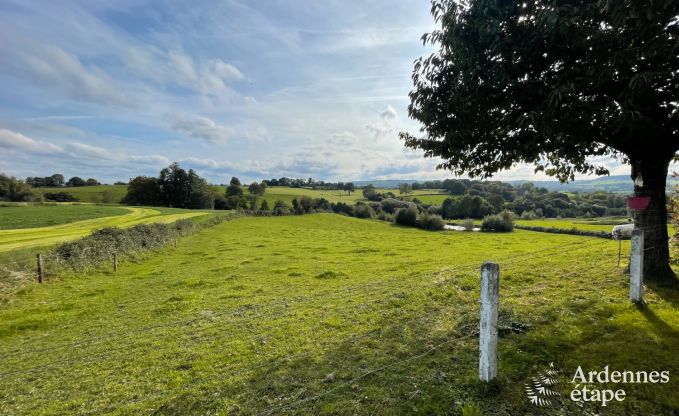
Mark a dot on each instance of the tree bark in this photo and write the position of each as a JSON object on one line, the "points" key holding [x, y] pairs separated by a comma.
{"points": [[650, 179]]}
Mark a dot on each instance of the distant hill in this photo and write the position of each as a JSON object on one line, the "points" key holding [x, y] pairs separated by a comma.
{"points": [[617, 184]]}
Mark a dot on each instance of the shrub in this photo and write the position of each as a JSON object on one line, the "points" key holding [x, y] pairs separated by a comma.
{"points": [[343, 208], [264, 206], [468, 224], [60, 197], [280, 208], [497, 223], [430, 222], [406, 216], [363, 211], [390, 205], [385, 216], [528, 215]]}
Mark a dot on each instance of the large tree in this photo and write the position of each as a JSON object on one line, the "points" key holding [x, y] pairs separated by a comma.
{"points": [[555, 84]]}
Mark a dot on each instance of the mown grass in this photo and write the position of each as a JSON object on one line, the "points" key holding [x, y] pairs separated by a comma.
{"points": [[324, 314], [13, 239], [46, 215], [92, 194]]}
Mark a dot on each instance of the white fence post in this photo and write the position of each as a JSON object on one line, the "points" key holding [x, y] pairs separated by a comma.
{"points": [[636, 267], [490, 295]]}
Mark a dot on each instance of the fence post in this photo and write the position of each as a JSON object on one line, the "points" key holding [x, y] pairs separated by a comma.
{"points": [[175, 243], [490, 296], [115, 261], [636, 267], [41, 268]]}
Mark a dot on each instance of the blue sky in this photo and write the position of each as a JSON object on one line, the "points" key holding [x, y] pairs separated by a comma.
{"points": [[117, 88]]}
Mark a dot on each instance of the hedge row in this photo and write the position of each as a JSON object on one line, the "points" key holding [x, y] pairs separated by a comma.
{"points": [[131, 243]]}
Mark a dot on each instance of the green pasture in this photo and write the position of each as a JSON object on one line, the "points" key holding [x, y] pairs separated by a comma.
{"points": [[590, 224], [110, 194], [287, 194], [20, 238], [325, 314], [29, 216]]}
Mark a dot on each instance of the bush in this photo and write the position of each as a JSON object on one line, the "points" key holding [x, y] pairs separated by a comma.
{"points": [[498, 223], [406, 216], [280, 208], [264, 206], [430, 222], [468, 224], [59, 197], [390, 205], [363, 211], [343, 208], [385, 216]]}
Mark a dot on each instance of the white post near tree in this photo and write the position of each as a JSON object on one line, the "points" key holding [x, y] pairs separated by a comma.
{"points": [[636, 267], [490, 291]]}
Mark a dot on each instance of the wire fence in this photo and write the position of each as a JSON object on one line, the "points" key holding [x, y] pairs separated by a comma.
{"points": [[80, 353]]}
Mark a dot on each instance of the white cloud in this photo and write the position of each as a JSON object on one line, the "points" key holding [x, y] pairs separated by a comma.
{"points": [[16, 141], [153, 160], [379, 130], [51, 67], [86, 151], [389, 113], [200, 128]]}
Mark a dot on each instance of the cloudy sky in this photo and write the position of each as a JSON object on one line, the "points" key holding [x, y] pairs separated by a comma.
{"points": [[254, 88]]}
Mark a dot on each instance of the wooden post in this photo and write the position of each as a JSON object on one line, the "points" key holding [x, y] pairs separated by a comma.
{"points": [[175, 243], [41, 268], [636, 267], [115, 262], [490, 296]]}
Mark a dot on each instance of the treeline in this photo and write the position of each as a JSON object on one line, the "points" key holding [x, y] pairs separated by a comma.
{"points": [[476, 199], [311, 183], [57, 180], [174, 187]]}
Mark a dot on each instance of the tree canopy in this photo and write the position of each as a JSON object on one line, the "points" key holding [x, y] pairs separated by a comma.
{"points": [[554, 84]]}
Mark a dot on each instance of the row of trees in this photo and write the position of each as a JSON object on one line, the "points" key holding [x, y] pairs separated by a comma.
{"points": [[174, 187], [349, 187], [57, 180], [13, 189]]}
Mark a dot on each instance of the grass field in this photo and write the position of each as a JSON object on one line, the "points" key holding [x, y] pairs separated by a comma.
{"points": [[93, 194], [46, 215], [13, 239], [598, 224], [324, 314]]}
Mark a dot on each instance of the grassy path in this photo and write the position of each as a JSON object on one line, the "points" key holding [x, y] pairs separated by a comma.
{"points": [[31, 237]]}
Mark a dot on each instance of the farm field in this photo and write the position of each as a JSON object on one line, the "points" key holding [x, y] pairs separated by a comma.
{"points": [[589, 224], [325, 314], [30, 216], [287, 194], [598, 224], [13, 239], [110, 194]]}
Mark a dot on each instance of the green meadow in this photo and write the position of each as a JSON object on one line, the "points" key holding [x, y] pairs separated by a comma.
{"points": [[30, 216], [110, 194], [326, 314], [44, 234]]}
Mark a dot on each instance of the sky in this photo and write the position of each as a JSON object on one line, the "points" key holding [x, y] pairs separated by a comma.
{"points": [[113, 89]]}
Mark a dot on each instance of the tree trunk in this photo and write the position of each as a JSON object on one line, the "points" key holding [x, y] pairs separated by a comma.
{"points": [[650, 177]]}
